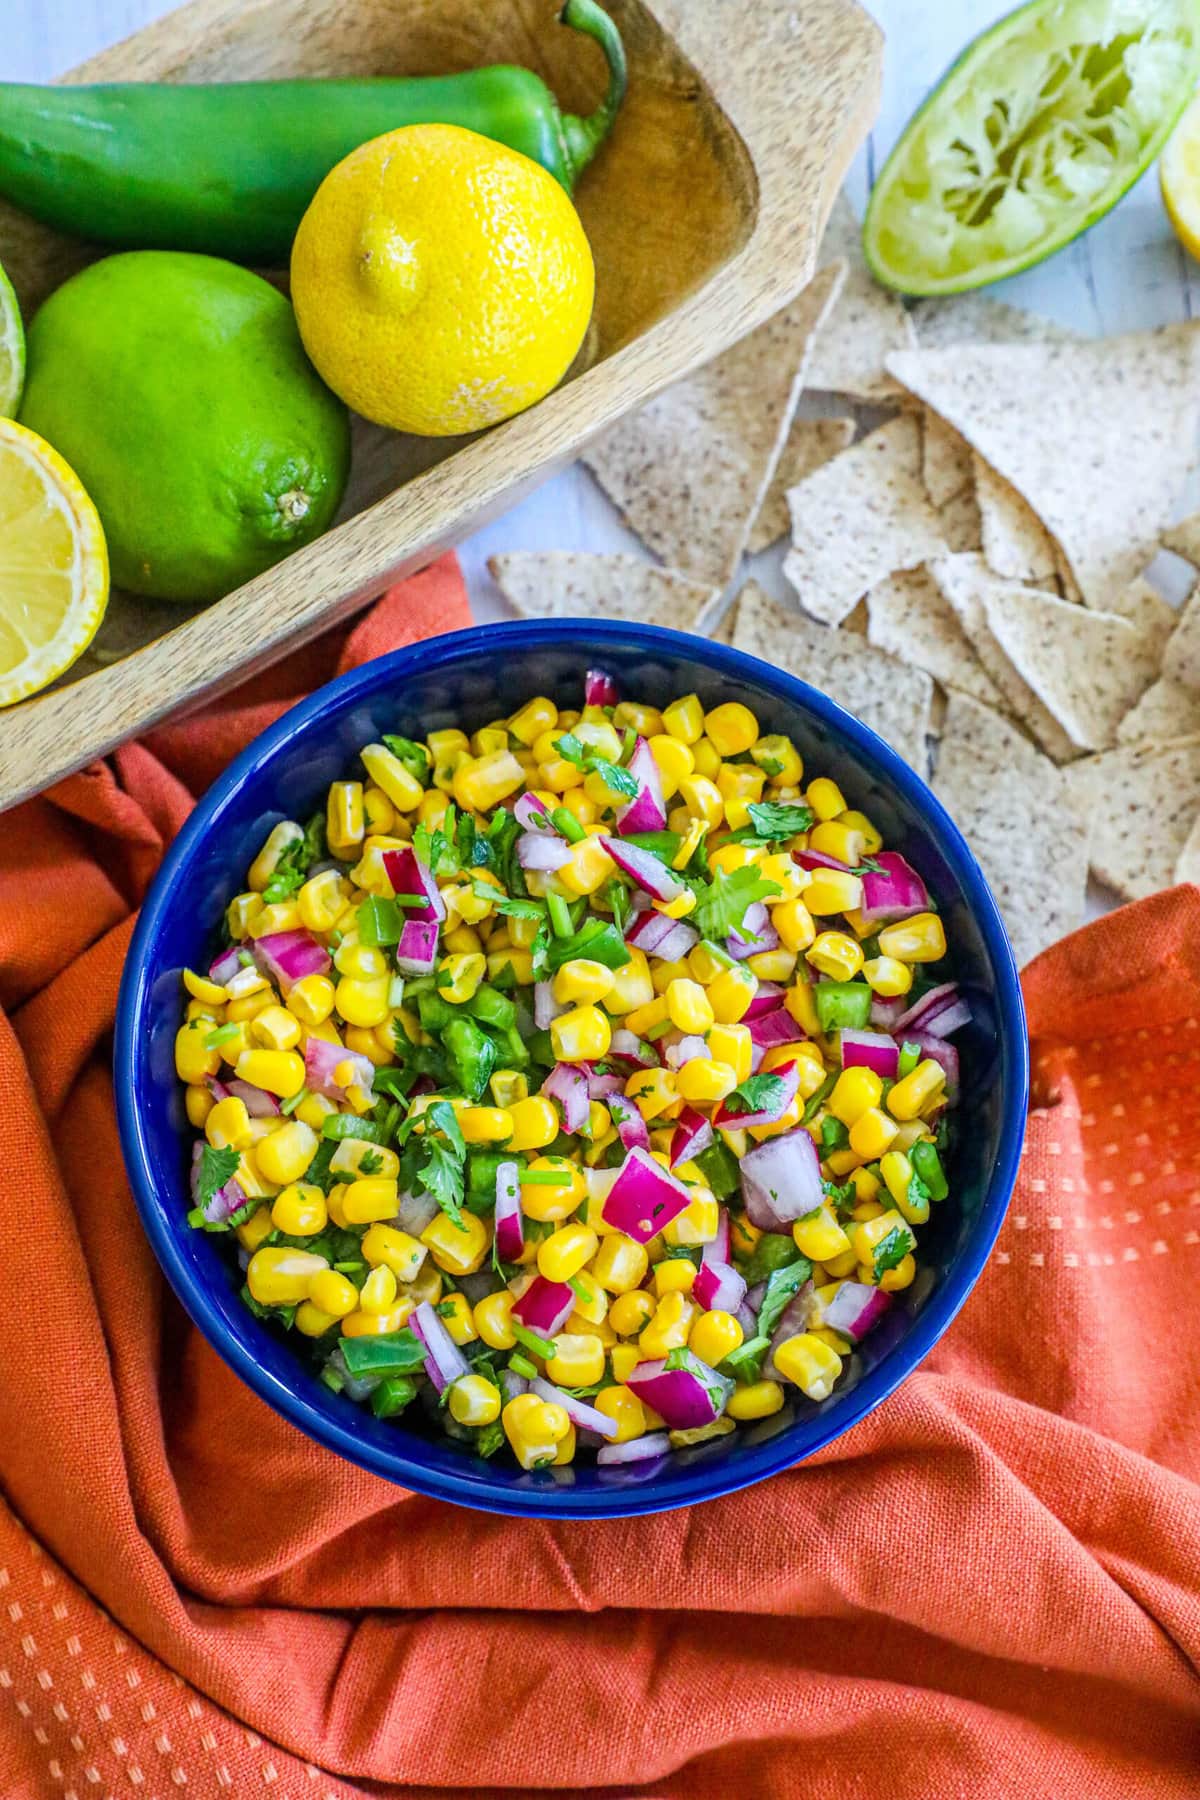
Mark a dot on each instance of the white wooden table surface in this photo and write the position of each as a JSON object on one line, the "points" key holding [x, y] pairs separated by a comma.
{"points": [[1126, 273]]}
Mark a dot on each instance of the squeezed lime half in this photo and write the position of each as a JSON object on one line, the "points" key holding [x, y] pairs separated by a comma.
{"points": [[12, 350], [1034, 133]]}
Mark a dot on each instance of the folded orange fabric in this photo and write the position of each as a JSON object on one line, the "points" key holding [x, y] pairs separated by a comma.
{"points": [[987, 1588]]}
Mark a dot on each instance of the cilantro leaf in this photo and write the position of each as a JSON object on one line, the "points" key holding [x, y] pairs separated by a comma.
{"points": [[843, 1198], [919, 1194], [775, 821], [722, 903], [291, 871], [782, 1287], [414, 756], [500, 846], [216, 1168], [759, 1093], [891, 1251], [370, 1162], [512, 906], [442, 1174], [612, 774], [571, 750], [436, 848], [489, 1439], [745, 1363]]}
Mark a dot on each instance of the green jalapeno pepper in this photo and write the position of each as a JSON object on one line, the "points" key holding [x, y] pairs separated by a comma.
{"points": [[229, 169]]}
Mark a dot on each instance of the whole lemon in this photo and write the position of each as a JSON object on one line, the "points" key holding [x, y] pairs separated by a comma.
{"points": [[441, 281]]}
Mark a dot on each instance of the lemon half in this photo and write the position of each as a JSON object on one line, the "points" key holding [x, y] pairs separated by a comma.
{"points": [[53, 564]]}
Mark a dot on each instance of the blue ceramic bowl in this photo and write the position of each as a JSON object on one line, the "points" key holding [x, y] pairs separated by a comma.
{"points": [[467, 679]]}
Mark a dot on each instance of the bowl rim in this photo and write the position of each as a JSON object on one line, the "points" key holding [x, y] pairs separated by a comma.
{"points": [[706, 1480]]}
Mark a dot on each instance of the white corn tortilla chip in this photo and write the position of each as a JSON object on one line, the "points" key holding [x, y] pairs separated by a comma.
{"points": [[967, 583], [1146, 609], [1181, 658], [810, 443], [689, 470], [1142, 803], [1009, 802], [1015, 542], [1096, 436], [568, 584], [865, 325], [945, 460], [1087, 667], [887, 695], [1184, 538], [1165, 711], [911, 618], [960, 524], [978, 319], [862, 516], [1188, 866]]}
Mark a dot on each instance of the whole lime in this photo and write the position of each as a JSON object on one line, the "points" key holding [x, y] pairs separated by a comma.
{"points": [[178, 389]]}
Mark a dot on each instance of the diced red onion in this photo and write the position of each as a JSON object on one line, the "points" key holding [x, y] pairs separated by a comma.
{"points": [[690, 1395], [601, 1086], [718, 1287], [545, 1306], [533, 814], [794, 1318], [767, 998], [248, 980], [642, 866], [587, 1418], [568, 1084], [856, 1308], [647, 811], [739, 1118], [257, 1102], [757, 1056], [644, 1198], [288, 956], [545, 1007], [755, 933], [685, 1050], [217, 1089], [771, 1029], [414, 1212], [692, 1136], [896, 891], [781, 1181], [747, 1318], [444, 1361], [950, 1019], [717, 1248], [322, 1059], [631, 1127], [510, 1221], [599, 688], [416, 953], [754, 1298], [625, 1047], [924, 1009], [943, 1053], [635, 1450], [408, 875], [542, 851], [873, 1050], [657, 935], [225, 967], [885, 1013], [512, 1384], [816, 859], [599, 1183]]}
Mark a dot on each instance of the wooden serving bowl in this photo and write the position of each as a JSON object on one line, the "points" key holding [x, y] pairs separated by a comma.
{"points": [[704, 213]]}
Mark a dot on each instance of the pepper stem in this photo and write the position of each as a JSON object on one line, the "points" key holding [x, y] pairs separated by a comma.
{"points": [[583, 137]]}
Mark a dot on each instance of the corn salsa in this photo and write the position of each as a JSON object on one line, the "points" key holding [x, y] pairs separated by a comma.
{"points": [[581, 1083]]}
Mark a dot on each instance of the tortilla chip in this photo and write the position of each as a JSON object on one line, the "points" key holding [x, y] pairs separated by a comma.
{"points": [[1142, 803], [945, 460], [1015, 542], [978, 319], [866, 324], [1188, 866], [810, 443], [1096, 436], [968, 583], [569, 584], [911, 618], [688, 472], [1184, 538], [1009, 801], [887, 695], [1165, 711], [1146, 609], [1087, 667], [861, 517], [960, 523], [1181, 658]]}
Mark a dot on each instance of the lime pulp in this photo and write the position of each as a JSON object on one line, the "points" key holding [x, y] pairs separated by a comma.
{"points": [[12, 350], [1036, 131]]}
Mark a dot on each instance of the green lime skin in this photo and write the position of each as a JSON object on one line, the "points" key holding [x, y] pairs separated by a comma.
{"points": [[177, 388]]}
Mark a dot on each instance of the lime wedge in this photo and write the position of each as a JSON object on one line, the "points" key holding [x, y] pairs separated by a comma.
{"points": [[12, 350], [1036, 131]]}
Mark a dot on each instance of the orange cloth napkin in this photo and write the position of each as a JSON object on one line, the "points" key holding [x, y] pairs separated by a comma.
{"points": [[987, 1588]]}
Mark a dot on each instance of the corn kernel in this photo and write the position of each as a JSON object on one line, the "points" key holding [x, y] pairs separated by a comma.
{"points": [[482, 783], [384, 1246], [280, 1276], [473, 1399], [577, 1360], [197, 1103], [826, 798], [280, 1072], [698, 1223], [279, 839], [589, 868], [674, 1275], [536, 716], [703, 1083], [227, 1126], [366, 1324], [810, 1363], [534, 1429], [920, 939], [252, 1231], [619, 1266], [887, 977], [388, 773], [833, 837], [854, 1091], [378, 1291], [625, 1410], [311, 1322], [623, 1359], [652, 1091], [582, 1035], [773, 965], [730, 994], [633, 986], [871, 1134], [632, 1310], [836, 955], [333, 1294], [370, 1198], [909, 1098], [714, 1335], [818, 1235], [731, 729], [459, 1249], [684, 719], [564, 1253], [582, 980], [485, 1124], [670, 1326], [300, 1210], [492, 1318], [193, 1062], [557, 1202], [832, 891], [867, 1236], [757, 1400], [533, 1123], [688, 1007], [345, 822], [311, 999], [702, 798], [778, 759]]}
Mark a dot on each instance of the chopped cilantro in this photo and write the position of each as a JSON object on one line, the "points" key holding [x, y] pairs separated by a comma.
{"points": [[370, 1162], [489, 1439], [291, 871], [834, 1135], [442, 1174], [414, 756], [816, 1101], [216, 1168], [617, 779], [759, 1093], [775, 821], [782, 1287], [891, 1251], [721, 906]]}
